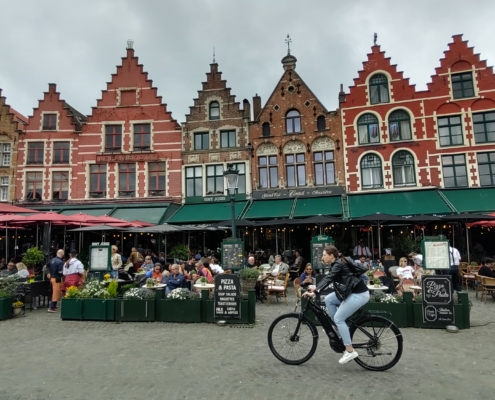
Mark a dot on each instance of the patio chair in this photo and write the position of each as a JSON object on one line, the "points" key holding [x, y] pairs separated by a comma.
{"points": [[278, 290], [478, 284], [39, 290], [487, 286], [393, 274], [468, 277], [378, 273]]}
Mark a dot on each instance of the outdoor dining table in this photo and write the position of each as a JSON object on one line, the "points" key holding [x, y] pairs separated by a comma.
{"points": [[204, 287], [156, 287], [372, 287]]}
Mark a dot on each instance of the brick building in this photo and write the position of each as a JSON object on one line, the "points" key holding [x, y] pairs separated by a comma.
{"points": [[215, 134], [125, 153], [412, 152], [11, 124]]}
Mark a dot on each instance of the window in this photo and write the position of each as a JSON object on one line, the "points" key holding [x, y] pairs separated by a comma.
{"points": [[462, 85], [399, 125], [214, 110], [60, 185], [35, 153], [113, 137], [241, 183], [49, 122], [5, 154], [61, 152], [324, 168], [266, 129], [486, 169], [227, 139], [379, 89], [371, 172], [98, 181], [142, 137], [454, 171], [127, 180], [403, 169], [320, 123], [450, 131], [368, 129], [268, 171], [214, 179], [4, 188], [296, 170], [484, 127], [293, 122], [201, 141], [194, 181], [34, 186], [156, 179]]}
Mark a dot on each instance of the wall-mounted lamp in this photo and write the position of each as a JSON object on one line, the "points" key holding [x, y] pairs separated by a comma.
{"points": [[337, 141], [308, 147], [280, 150], [250, 149]]}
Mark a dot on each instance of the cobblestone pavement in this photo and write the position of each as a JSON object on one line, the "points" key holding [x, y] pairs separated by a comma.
{"points": [[42, 357]]}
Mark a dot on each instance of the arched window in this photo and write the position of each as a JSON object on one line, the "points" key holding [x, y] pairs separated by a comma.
{"points": [[403, 169], [266, 129], [368, 129], [214, 110], [379, 89], [293, 122], [399, 126], [320, 123], [371, 172]]}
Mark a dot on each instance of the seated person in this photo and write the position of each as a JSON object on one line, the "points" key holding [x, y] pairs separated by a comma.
{"points": [[148, 264], [250, 263], [308, 277], [22, 271], [486, 269], [202, 271], [278, 267], [11, 269], [215, 267], [183, 271], [405, 271], [156, 273], [174, 280]]}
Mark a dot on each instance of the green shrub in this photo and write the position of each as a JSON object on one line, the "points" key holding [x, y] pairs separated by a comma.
{"points": [[33, 257], [180, 252], [112, 289], [249, 273]]}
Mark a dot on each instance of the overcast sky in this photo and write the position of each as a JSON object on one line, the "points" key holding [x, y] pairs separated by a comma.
{"points": [[77, 44]]}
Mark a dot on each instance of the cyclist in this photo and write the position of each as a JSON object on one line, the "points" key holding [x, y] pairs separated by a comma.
{"points": [[351, 293]]}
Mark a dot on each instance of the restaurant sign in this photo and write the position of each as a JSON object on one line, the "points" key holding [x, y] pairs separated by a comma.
{"points": [[127, 157], [299, 192]]}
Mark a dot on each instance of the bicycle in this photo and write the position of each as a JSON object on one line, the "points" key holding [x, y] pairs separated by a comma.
{"points": [[375, 337]]}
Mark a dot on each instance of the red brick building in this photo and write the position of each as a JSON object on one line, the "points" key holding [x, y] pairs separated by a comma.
{"points": [[127, 151], [400, 140]]}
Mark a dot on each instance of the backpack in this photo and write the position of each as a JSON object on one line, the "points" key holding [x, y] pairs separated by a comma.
{"points": [[359, 269]]}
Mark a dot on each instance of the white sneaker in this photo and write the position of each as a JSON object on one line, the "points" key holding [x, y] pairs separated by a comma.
{"points": [[348, 357]]}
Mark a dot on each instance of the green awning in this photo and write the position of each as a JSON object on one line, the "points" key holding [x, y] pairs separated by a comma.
{"points": [[268, 209], [145, 213], [205, 212], [95, 212], [308, 207], [471, 200], [398, 203]]}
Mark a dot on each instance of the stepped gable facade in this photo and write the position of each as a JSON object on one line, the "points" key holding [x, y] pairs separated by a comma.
{"points": [[296, 143], [399, 138], [11, 124], [215, 134]]}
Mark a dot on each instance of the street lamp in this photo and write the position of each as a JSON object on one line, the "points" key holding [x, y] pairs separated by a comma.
{"points": [[231, 176]]}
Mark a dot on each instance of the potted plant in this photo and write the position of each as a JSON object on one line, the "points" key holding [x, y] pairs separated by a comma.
{"points": [[249, 277], [106, 277], [137, 305], [180, 252], [150, 282], [181, 305], [203, 281], [8, 292], [33, 259], [377, 282], [17, 307]]}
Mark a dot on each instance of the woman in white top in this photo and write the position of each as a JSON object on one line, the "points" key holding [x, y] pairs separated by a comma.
{"points": [[405, 271], [116, 262], [22, 271]]}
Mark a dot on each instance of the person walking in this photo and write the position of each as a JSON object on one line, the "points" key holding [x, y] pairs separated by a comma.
{"points": [[55, 275], [455, 260]]}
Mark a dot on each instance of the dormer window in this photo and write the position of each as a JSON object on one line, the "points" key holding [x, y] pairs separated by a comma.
{"points": [[266, 129], [320, 123], [214, 110], [49, 122], [293, 122], [379, 89], [462, 85]]}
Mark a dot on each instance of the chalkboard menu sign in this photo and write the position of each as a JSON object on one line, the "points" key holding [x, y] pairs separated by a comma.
{"points": [[99, 257], [438, 302], [435, 254], [227, 296], [324, 292], [232, 254], [318, 244]]}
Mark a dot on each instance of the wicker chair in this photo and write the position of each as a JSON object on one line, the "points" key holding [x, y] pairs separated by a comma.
{"points": [[478, 283], [487, 286], [378, 273], [278, 291]]}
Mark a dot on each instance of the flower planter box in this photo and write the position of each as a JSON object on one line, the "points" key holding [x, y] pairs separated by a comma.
{"points": [[88, 309], [180, 310], [6, 308], [398, 311], [135, 310]]}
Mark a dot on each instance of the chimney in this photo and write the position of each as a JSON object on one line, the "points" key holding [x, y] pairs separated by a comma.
{"points": [[247, 109], [256, 106], [341, 94]]}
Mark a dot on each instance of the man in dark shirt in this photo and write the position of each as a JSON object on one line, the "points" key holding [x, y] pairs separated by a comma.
{"points": [[486, 268], [56, 266]]}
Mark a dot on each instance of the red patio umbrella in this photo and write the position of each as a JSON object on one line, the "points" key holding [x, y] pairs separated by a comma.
{"points": [[8, 208], [12, 218], [49, 216], [139, 223]]}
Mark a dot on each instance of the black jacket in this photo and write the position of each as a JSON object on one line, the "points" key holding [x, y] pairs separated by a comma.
{"points": [[342, 276], [56, 267]]}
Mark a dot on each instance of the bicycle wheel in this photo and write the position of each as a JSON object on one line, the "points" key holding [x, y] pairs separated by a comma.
{"points": [[378, 342], [288, 343]]}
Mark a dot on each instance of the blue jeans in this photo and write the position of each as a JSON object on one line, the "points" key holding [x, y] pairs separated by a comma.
{"points": [[115, 274], [339, 312]]}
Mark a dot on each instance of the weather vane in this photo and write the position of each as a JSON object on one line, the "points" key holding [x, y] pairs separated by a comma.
{"points": [[288, 41], [213, 55], [375, 36]]}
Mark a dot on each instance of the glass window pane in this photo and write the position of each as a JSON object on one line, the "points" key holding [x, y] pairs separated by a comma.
{"points": [[328, 155], [300, 158], [210, 170], [189, 172], [262, 161], [297, 125], [198, 187], [289, 159], [291, 179], [273, 160], [486, 180], [273, 177], [318, 174], [301, 175], [459, 159], [263, 178], [330, 172], [317, 156]]}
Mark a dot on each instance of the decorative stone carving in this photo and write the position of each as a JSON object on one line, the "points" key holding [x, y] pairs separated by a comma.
{"points": [[235, 155], [266, 148], [323, 143], [214, 157], [193, 158], [294, 146]]}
